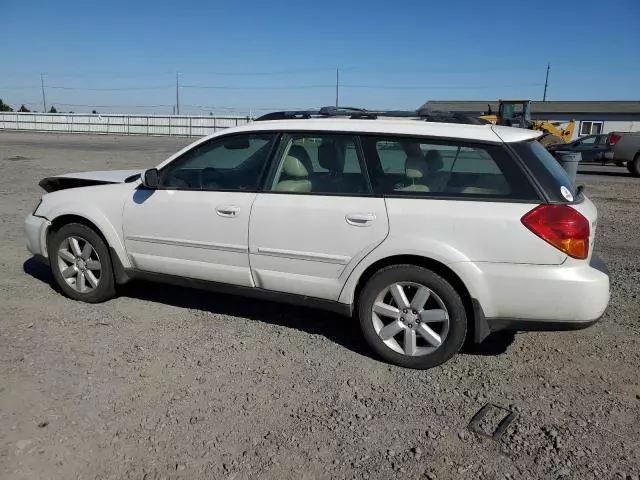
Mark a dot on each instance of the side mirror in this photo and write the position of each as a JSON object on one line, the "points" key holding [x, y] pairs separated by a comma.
{"points": [[151, 178]]}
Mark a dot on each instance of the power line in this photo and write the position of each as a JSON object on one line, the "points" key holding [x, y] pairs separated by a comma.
{"points": [[109, 89], [387, 69], [108, 106], [281, 87], [276, 87], [433, 87]]}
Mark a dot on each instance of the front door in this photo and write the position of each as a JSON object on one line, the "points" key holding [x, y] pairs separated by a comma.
{"points": [[316, 218], [196, 224]]}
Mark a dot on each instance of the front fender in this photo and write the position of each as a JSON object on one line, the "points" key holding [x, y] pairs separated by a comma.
{"points": [[112, 233]]}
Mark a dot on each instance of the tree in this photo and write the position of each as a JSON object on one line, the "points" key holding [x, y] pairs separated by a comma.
{"points": [[23, 108], [53, 109], [4, 107]]}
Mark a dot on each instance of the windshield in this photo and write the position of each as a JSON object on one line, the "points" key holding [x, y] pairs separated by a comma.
{"points": [[548, 171]]}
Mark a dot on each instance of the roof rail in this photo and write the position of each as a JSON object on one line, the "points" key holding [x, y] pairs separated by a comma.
{"points": [[287, 115], [361, 113], [322, 112]]}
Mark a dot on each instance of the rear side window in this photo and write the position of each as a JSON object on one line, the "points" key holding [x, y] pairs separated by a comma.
{"points": [[549, 173], [326, 164], [437, 168]]}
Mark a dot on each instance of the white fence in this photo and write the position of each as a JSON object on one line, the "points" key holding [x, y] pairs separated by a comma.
{"points": [[189, 126]]}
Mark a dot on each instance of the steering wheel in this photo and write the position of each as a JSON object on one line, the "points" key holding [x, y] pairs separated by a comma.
{"points": [[211, 178]]}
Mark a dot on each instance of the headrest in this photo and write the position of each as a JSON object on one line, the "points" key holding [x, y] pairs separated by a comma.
{"points": [[331, 157], [299, 152], [434, 160], [416, 167], [294, 168]]}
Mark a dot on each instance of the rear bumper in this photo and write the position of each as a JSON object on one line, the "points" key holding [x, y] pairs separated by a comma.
{"points": [[540, 297], [35, 229]]}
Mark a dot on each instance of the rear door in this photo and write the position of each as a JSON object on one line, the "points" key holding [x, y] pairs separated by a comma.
{"points": [[449, 199], [316, 218]]}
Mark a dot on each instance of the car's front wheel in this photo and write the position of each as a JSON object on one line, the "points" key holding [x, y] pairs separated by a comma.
{"points": [[81, 264], [412, 317]]}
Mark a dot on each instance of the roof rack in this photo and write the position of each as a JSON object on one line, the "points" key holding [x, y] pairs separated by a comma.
{"points": [[427, 115]]}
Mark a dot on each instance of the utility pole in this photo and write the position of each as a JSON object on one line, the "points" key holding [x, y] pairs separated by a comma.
{"points": [[337, 87], [177, 95], [546, 83], [44, 100]]}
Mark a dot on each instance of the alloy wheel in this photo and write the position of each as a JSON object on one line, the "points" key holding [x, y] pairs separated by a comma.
{"points": [[79, 264], [410, 318]]}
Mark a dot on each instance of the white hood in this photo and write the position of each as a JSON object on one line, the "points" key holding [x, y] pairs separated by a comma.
{"points": [[108, 176], [87, 179]]}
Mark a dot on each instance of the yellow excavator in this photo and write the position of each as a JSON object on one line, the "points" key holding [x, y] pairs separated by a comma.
{"points": [[517, 113]]}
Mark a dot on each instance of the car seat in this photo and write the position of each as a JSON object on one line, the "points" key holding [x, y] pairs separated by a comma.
{"points": [[294, 177], [331, 157], [416, 170]]}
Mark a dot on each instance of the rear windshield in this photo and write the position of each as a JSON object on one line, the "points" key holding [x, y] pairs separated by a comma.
{"points": [[548, 171]]}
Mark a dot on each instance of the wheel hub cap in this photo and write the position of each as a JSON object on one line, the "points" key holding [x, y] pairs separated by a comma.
{"points": [[410, 318], [79, 264]]}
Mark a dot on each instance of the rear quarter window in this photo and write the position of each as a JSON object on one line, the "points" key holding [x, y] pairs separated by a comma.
{"points": [[431, 167], [547, 171]]}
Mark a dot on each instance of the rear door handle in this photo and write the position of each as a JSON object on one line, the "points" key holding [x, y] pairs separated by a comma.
{"points": [[360, 219], [228, 210]]}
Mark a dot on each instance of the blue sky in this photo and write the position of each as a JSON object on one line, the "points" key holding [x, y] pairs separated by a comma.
{"points": [[123, 55]]}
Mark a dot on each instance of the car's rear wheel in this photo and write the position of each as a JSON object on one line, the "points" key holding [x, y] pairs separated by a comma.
{"points": [[81, 264], [412, 317]]}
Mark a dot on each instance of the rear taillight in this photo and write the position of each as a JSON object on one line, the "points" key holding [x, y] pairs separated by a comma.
{"points": [[562, 226], [613, 139]]}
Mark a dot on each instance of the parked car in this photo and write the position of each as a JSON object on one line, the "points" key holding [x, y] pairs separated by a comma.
{"points": [[626, 150], [593, 148], [427, 233]]}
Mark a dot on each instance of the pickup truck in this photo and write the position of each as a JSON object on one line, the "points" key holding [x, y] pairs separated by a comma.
{"points": [[626, 149]]}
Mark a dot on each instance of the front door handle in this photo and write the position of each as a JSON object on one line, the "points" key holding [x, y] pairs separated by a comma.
{"points": [[360, 219], [228, 210]]}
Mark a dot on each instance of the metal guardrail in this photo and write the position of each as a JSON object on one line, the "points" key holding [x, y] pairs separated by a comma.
{"points": [[117, 124]]}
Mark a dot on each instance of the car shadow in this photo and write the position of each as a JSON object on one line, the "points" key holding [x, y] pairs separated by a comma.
{"points": [[39, 270], [495, 344], [337, 328]]}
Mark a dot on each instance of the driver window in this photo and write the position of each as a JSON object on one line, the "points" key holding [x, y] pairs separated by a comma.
{"points": [[228, 163]]}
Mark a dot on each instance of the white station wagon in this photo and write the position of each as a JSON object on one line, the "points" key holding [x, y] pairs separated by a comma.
{"points": [[427, 232]]}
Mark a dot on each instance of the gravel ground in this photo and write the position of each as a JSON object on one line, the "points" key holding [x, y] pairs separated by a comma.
{"points": [[165, 382]]}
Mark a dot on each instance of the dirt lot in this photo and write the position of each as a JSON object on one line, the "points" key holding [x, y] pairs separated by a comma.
{"points": [[164, 382]]}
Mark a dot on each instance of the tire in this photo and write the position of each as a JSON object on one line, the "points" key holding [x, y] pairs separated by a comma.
{"points": [[90, 275], [381, 289], [634, 166]]}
